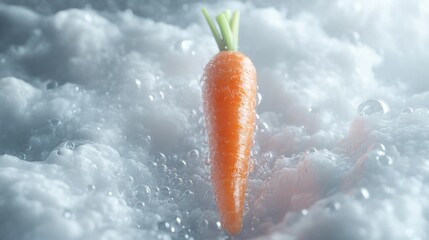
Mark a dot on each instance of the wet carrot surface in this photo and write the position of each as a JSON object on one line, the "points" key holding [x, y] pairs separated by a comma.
{"points": [[229, 99]]}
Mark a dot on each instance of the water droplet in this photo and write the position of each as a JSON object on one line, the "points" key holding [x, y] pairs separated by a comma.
{"points": [[165, 191], [131, 179], [379, 149], [109, 193], [54, 122], [67, 214], [186, 45], [177, 182], [116, 174], [188, 194], [311, 150], [363, 193], [218, 225], [373, 106], [178, 220], [385, 160], [304, 212], [407, 110], [259, 99], [60, 152], [193, 154], [76, 88], [263, 126], [161, 95], [22, 156], [189, 184], [140, 205], [151, 98], [160, 159], [164, 226], [203, 224], [142, 192], [91, 188], [181, 164], [138, 83], [69, 145], [163, 169], [333, 206], [208, 161]]}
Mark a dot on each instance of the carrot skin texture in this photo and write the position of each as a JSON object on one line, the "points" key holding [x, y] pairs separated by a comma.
{"points": [[229, 99]]}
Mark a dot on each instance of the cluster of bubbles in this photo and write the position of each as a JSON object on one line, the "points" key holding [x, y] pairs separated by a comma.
{"points": [[175, 185]]}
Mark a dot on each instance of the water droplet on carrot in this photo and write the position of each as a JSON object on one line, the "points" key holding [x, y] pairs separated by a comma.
{"points": [[259, 99]]}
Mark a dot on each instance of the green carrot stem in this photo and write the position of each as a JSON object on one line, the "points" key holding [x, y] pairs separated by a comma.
{"points": [[234, 28], [213, 29], [228, 24]]}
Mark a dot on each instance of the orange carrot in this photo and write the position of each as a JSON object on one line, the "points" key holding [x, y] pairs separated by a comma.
{"points": [[229, 98]]}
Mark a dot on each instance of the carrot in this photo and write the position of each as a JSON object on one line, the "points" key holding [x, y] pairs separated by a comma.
{"points": [[229, 99]]}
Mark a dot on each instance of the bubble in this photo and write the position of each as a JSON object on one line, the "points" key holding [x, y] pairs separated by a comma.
{"points": [[131, 179], [379, 149], [218, 225], [363, 193], [165, 191], [177, 182], [164, 226], [208, 161], [311, 150], [109, 193], [147, 139], [160, 159], [189, 184], [385, 160], [373, 106], [22, 156], [188, 193], [138, 83], [304, 212], [186, 45], [258, 99], [263, 127], [151, 98], [203, 224], [69, 145], [91, 188], [178, 220], [181, 164], [333, 206], [140, 205], [193, 154], [407, 110], [142, 192], [161, 95], [67, 214], [54, 122]]}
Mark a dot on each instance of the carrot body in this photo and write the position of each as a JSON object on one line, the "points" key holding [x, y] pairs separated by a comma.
{"points": [[229, 96]]}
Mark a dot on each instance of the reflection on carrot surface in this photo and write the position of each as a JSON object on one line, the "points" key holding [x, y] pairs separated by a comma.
{"points": [[288, 189], [314, 176]]}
